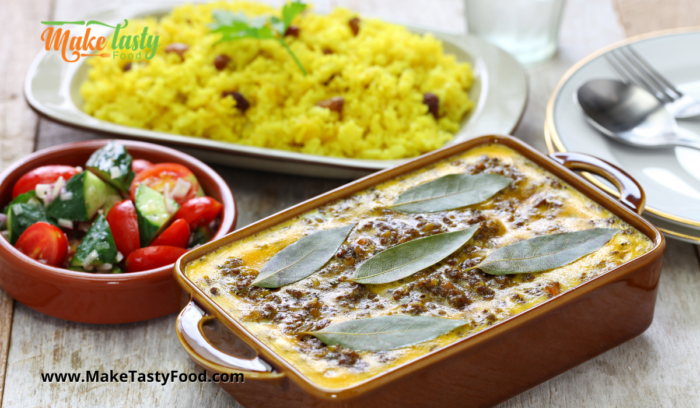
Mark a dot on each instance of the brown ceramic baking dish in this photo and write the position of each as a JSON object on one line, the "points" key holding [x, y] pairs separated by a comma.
{"points": [[100, 298], [480, 370]]}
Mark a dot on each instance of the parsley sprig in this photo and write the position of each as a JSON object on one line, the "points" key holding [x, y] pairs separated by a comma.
{"points": [[235, 26]]}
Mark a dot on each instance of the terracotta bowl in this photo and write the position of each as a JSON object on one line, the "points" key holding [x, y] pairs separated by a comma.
{"points": [[100, 298]]}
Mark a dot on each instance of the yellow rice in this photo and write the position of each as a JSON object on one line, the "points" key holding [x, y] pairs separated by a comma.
{"points": [[382, 73]]}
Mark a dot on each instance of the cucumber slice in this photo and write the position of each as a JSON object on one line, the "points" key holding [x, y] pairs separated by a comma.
{"points": [[151, 213], [97, 247], [28, 197], [75, 208], [22, 216], [87, 195], [112, 164], [110, 201], [96, 193]]}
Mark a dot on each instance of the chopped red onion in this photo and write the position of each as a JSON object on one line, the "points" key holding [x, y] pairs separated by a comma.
{"points": [[65, 223], [87, 262], [169, 207], [182, 187], [115, 172]]}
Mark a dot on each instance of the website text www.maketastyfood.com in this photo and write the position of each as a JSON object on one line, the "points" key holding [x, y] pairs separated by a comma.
{"points": [[96, 376]]}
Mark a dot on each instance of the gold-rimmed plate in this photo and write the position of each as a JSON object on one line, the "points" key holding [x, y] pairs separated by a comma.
{"points": [[670, 177]]}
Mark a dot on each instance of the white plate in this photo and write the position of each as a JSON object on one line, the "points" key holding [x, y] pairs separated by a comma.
{"points": [[500, 89], [670, 177]]}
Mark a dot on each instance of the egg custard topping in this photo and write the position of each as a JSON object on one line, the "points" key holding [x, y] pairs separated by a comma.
{"points": [[534, 204]]}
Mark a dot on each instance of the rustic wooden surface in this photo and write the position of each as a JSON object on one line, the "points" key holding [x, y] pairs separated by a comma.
{"points": [[642, 16], [656, 369], [18, 123]]}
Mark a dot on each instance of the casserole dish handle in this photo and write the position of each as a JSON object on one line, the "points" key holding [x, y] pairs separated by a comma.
{"points": [[189, 331], [631, 193]]}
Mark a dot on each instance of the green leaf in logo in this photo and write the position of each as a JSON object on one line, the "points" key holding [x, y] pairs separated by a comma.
{"points": [[302, 258], [450, 192], [406, 259], [545, 252], [386, 332]]}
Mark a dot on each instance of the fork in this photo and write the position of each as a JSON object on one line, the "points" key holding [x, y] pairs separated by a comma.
{"points": [[632, 68]]}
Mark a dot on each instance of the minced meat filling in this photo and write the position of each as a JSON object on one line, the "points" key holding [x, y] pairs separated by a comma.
{"points": [[530, 206]]}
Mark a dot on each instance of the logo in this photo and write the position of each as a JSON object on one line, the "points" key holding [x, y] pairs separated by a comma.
{"points": [[74, 47]]}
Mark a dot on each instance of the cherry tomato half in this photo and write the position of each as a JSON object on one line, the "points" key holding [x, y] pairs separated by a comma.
{"points": [[199, 211], [139, 165], [42, 175], [125, 227], [177, 235], [160, 174], [45, 243], [152, 257]]}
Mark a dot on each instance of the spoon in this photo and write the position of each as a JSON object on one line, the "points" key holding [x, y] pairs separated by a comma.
{"points": [[630, 114]]}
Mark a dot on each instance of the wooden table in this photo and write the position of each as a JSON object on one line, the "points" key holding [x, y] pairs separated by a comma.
{"points": [[656, 369]]}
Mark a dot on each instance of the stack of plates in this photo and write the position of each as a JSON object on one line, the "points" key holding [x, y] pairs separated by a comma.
{"points": [[670, 177]]}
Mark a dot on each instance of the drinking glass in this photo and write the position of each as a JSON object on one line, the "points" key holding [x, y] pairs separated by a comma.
{"points": [[528, 29]]}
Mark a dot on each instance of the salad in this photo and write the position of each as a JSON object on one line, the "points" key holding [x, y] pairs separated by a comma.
{"points": [[119, 214]]}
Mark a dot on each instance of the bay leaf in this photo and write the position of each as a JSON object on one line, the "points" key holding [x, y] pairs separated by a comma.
{"points": [[450, 192], [408, 258], [386, 332], [545, 252], [302, 258]]}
